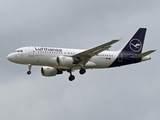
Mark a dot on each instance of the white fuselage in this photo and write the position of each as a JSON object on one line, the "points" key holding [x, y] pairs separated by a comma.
{"points": [[47, 57]]}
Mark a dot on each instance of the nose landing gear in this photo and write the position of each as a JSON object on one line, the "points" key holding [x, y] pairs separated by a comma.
{"points": [[28, 72], [29, 67]]}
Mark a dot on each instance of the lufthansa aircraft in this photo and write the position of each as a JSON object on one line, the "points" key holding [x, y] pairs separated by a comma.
{"points": [[57, 60]]}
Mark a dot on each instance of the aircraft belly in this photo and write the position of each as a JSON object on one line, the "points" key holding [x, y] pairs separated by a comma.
{"points": [[104, 64]]}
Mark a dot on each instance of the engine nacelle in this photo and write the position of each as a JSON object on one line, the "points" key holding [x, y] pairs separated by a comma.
{"points": [[64, 61], [53, 61], [49, 71]]}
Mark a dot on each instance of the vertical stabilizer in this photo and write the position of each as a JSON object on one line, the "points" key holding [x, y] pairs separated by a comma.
{"points": [[135, 44]]}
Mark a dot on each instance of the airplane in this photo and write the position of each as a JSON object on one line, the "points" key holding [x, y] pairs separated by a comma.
{"points": [[55, 61]]}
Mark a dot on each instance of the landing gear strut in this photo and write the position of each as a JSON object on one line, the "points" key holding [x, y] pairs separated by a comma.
{"points": [[82, 70], [71, 77], [29, 67]]}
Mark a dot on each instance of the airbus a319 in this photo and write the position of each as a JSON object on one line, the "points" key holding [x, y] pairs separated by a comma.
{"points": [[55, 61]]}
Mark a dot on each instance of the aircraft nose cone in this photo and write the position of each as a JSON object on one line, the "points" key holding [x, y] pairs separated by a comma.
{"points": [[11, 57]]}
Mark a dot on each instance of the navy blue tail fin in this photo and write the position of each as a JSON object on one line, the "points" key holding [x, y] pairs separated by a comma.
{"points": [[135, 44]]}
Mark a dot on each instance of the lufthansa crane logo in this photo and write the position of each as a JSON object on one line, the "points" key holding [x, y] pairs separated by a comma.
{"points": [[135, 45]]}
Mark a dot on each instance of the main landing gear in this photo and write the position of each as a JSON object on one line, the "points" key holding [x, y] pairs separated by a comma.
{"points": [[82, 71], [29, 67], [72, 77]]}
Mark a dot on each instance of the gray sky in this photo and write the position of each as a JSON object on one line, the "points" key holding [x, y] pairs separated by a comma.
{"points": [[127, 93]]}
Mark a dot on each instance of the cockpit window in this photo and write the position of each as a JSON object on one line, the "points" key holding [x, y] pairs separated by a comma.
{"points": [[19, 51]]}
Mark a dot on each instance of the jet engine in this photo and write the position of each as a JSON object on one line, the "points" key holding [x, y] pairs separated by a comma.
{"points": [[64, 61], [50, 71]]}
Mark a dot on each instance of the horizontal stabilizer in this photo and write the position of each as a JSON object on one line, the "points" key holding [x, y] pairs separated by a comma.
{"points": [[143, 54]]}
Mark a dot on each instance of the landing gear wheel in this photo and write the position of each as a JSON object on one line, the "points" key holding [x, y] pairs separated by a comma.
{"points": [[71, 77], [82, 71], [29, 72]]}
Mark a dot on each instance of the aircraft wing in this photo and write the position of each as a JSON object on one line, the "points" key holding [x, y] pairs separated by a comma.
{"points": [[87, 54]]}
